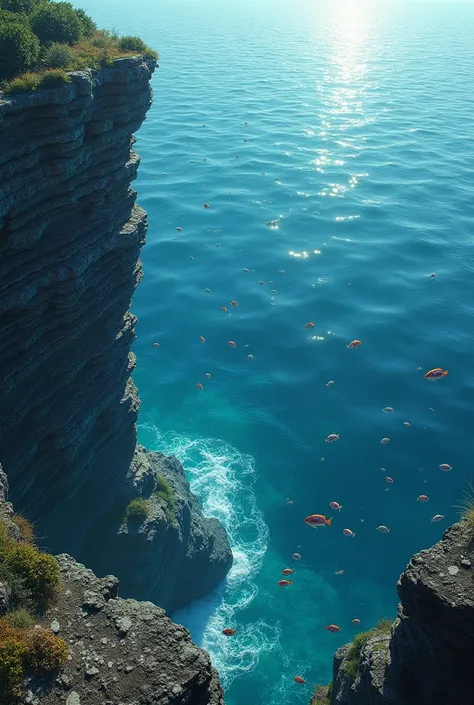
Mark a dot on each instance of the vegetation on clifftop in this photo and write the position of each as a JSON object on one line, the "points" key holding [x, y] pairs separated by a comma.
{"points": [[164, 492], [31, 580], [351, 665], [39, 36]]}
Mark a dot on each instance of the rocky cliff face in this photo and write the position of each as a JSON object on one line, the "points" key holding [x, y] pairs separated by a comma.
{"points": [[70, 238], [120, 651], [427, 659]]}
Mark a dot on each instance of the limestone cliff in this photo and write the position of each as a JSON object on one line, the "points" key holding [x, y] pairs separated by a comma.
{"points": [[427, 658], [70, 238], [120, 651]]}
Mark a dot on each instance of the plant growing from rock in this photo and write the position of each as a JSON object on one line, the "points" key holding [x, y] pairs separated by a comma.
{"points": [[352, 660], [137, 510], [165, 494]]}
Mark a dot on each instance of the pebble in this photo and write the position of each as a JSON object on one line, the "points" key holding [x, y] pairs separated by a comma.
{"points": [[453, 570], [91, 671], [73, 698], [466, 563], [55, 626]]}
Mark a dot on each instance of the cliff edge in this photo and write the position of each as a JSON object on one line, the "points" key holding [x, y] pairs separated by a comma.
{"points": [[426, 657], [70, 239]]}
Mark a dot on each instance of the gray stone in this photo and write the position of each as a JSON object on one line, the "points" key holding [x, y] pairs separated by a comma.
{"points": [[55, 626], [73, 698], [124, 624]]}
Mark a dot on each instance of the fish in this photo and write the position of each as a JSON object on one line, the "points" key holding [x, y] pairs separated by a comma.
{"points": [[296, 557], [206, 205], [262, 283], [287, 571], [223, 309], [445, 467], [388, 409], [208, 291], [332, 438], [310, 324], [157, 345], [336, 506], [422, 498], [229, 632], [407, 424], [338, 572], [245, 269], [285, 583], [384, 441], [316, 520], [232, 344], [354, 344], [356, 621], [383, 529], [250, 357], [208, 375], [330, 383], [389, 480], [299, 679], [199, 386], [332, 628], [202, 339], [436, 373], [234, 303], [180, 230], [348, 532], [437, 517]]}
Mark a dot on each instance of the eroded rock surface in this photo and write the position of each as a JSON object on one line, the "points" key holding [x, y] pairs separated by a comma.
{"points": [[70, 238], [428, 658]]}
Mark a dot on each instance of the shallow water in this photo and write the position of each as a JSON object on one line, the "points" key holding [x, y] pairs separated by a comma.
{"points": [[333, 143]]}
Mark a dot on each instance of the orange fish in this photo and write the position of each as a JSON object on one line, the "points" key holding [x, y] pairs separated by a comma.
{"points": [[234, 303], [335, 505], [206, 205], [287, 571], [299, 679], [435, 374], [310, 324], [355, 344], [202, 339], [199, 385], [232, 344], [229, 632], [316, 520], [285, 583], [332, 628]]}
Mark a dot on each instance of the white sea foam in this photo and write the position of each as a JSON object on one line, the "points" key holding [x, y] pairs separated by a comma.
{"points": [[223, 479]]}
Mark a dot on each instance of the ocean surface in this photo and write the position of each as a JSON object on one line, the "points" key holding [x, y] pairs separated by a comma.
{"points": [[334, 144]]}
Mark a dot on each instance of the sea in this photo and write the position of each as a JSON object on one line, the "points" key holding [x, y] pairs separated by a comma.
{"points": [[307, 169]]}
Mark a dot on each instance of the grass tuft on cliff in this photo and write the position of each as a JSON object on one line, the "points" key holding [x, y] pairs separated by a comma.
{"points": [[322, 695], [32, 579], [165, 494], [36, 36], [466, 506], [352, 661], [137, 510]]}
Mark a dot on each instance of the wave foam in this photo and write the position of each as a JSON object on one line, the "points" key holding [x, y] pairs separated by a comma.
{"points": [[223, 479]]}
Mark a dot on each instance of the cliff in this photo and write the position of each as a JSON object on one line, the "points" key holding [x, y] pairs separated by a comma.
{"points": [[426, 657], [70, 238], [120, 651]]}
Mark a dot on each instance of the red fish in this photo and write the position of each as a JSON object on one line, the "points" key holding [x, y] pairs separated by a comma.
{"points": [[335, 505], [355, 344], [348, 532], [234, 303], [199, 386], [287, 571], [422, 498], [435, 374], [285, 583], [229, 632], [332, 628], [299, 679], [316, 520], [310, 324], [389, 480], [232, 344]]}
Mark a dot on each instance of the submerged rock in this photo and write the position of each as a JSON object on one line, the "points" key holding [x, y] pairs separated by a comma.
{"points": [[427, 659]]}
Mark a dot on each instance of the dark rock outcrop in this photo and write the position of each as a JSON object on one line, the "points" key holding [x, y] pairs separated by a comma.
{"points": [[120, 651], [427, 659], [70, 238]]}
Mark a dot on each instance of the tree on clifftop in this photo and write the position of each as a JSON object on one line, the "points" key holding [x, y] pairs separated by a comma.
{"points": [[19, 49]]}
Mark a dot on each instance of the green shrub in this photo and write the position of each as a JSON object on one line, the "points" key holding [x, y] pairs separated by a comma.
{"points": [[57, 56], [26, 6], [56, 22], [132, 44], [46, 652], [88, 26], [322, 695], [54, 78], [37, 573], [19, 49], [23, 84], [12, 657], [165, 494], [20, 619], [351, 665], [137, 510]]}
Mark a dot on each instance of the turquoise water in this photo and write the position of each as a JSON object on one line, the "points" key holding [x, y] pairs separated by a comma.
{"points": [[334, 145]]}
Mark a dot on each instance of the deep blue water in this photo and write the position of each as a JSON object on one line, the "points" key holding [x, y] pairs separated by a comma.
{"points": [[334, 144]]}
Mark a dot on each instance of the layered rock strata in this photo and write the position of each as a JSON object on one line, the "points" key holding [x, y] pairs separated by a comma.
{"points": [[427, 659], [70, 238]]}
